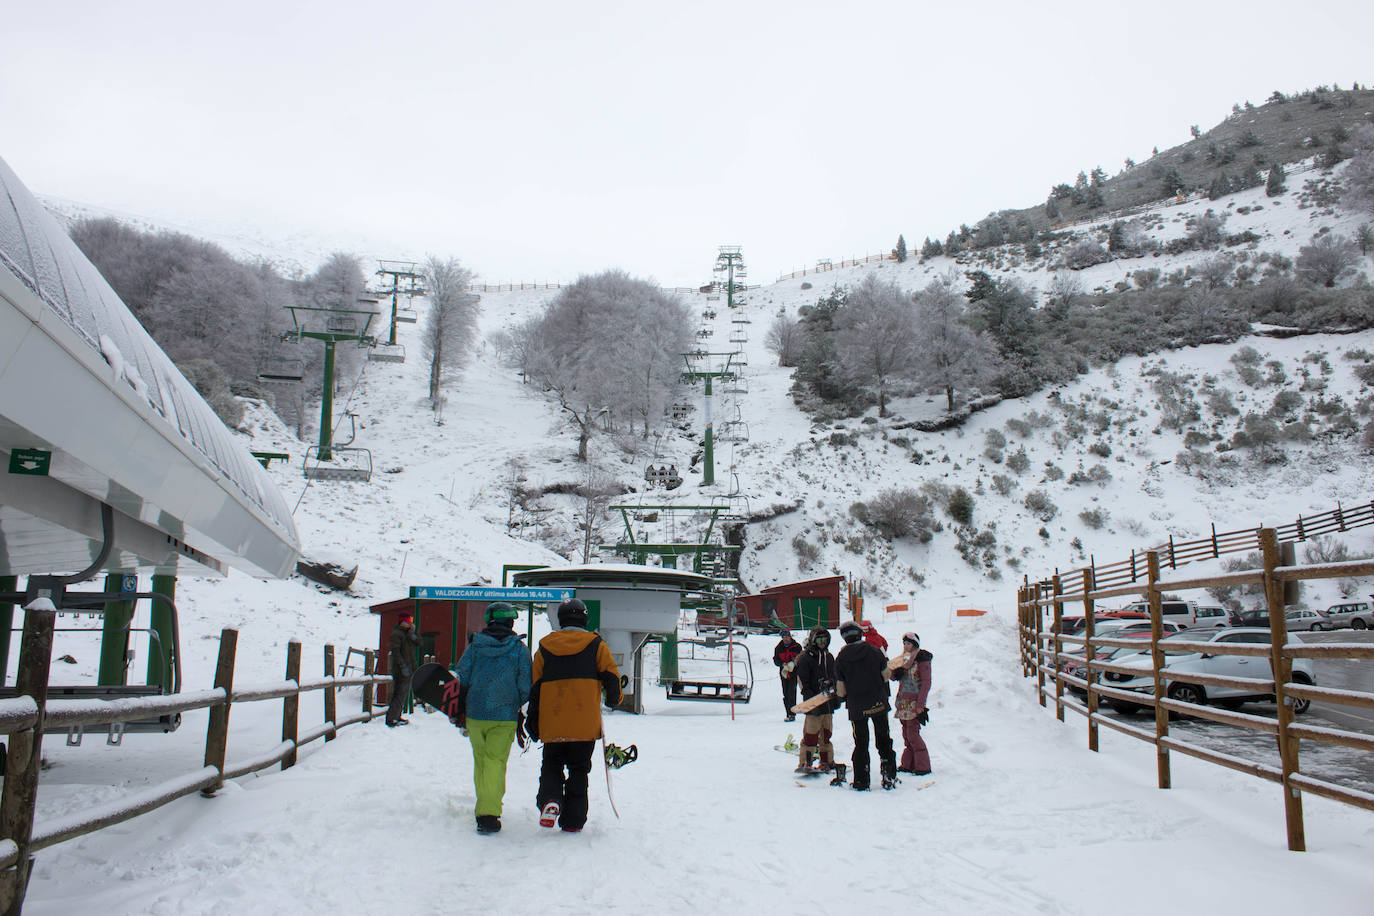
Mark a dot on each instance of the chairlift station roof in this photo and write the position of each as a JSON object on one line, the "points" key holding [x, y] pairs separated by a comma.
{"points": [[92, 411]]}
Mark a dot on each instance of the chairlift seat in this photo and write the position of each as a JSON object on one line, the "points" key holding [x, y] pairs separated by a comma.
{"points": [[387, 353]]}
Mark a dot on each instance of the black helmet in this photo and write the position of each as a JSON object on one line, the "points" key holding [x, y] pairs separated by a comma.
{"points": [[819, 636], [499, 610], [851, 632], [572, 613]]}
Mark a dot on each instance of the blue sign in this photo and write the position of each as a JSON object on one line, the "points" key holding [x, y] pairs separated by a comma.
{"points": [[474, 593]]}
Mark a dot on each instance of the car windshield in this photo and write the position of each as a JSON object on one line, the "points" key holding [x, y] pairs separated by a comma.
{"points": [[1180, 636]]}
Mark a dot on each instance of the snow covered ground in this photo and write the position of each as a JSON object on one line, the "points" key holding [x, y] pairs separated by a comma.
{"points": [[1021, 817]]}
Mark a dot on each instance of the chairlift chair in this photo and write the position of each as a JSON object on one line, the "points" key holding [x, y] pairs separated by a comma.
{"points": [[282, 369], [341, 324], [406, 316], [717, 671], [387, 353], [709, 314]]}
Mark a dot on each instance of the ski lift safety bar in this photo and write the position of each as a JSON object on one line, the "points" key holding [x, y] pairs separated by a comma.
{"points": [[469, 593]]}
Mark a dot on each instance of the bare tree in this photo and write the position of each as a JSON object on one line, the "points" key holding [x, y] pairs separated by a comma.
{"points": [[786, 339], [875, 336], [1064, 289], [950, 355], [1327, 258], [595, 491], [451, 324], [607, 345]]}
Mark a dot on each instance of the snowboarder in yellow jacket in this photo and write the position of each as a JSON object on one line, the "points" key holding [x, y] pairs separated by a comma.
{"points": [[573, 671]]}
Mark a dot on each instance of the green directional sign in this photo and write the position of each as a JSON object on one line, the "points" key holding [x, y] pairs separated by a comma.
{"points": [[32, 461]]}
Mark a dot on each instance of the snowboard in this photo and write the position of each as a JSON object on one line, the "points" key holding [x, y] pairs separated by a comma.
{"points": [[815, 702], [606, 764], [898, 661], [427, 685]]}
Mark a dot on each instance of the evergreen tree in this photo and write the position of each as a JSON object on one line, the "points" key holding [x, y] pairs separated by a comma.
{"points": [[1116, 238], [1172, 183], [952, 246], [900, 250], [1051, 209], [931, 248]]}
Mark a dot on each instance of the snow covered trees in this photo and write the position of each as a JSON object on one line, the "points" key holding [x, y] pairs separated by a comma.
{"points": [[950, 355], [875, 336], [1326, 259], [607, 346], [446, 340]]}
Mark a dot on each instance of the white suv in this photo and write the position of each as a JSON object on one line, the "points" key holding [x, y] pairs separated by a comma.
{"points": [[1184, 613], [1357, 614]]}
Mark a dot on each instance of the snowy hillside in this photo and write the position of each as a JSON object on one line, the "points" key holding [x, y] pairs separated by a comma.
{"points": [[1021, 816]]}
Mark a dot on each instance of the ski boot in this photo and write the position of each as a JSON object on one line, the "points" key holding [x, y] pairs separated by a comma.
{"points": [[805, 761], [888, 769], [838, 778]]}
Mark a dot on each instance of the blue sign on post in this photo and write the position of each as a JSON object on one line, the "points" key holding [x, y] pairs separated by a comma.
{"points": [[475, 593]]}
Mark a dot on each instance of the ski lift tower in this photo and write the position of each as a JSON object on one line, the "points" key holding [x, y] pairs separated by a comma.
{"points": [[330, 326], [699, 367], [731, 263], [414, 286]]}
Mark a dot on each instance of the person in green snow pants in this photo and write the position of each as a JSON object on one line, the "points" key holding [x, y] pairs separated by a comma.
{"points": [[494, 682]]}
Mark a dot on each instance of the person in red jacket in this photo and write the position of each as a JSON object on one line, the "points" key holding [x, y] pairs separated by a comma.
{"points": [[785, 657], [872, 636], [912, 669], [572, 671]]}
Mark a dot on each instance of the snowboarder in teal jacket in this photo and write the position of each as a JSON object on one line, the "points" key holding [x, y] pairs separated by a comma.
{"points": [[494, 674]]}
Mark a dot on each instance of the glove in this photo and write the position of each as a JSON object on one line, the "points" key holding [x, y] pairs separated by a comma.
{"points": [[924, 717], [520, 737]]}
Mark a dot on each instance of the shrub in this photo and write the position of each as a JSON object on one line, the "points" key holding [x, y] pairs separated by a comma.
{"points": [[1020, 427], [1053, 472], [1003, 485], [807, 553], [960, 506], [897, 513], [1041, 506], [1018, 461], [1093, 518], [994, 439], [1100, 449]]}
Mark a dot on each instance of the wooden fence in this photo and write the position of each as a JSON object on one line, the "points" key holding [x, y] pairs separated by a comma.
{"points": [[827, 266], [1042, 644], [25, 717]]}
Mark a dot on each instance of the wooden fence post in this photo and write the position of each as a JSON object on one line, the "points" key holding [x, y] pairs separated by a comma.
{"points": [[1089, 629], [369, 662], [1038, 593], [217, 733], [1157, 662], [26, 753], [291, 703], [329, 710], [1283, 672], [1057, 646]]}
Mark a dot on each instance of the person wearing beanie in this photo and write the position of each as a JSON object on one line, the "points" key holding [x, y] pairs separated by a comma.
{"points": [[401, 664], [912, 669], [494, 674], [785, 656], [859, 669], [816, 674], [573, 673]]}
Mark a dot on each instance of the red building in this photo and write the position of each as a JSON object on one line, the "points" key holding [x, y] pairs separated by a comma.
{"points": [[443, 627], [799, 605]]}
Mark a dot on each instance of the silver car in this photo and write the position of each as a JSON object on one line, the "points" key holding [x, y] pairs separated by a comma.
{"points": [[1298, 619], [1189, 662], [1356, 614]]}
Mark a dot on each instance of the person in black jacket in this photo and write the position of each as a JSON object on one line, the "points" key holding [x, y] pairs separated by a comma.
{"points": [[785, 657], [401, 662], [860, 680], [816, 674]]}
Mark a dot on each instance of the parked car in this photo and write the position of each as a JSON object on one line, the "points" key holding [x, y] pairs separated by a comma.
{"points": [[1301, 619], [1184, 613], [1253, 619], [1077, 667], [1356, 614], [1191, 662]]}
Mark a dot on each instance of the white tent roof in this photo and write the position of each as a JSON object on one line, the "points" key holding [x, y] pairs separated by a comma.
{"points": [[81, 380]]}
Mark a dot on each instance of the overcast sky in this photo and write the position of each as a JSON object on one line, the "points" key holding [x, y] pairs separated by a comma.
{"points": [[542, 140]]}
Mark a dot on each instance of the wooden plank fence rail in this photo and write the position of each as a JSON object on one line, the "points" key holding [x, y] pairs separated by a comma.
{"points": [[1040, 611], [23, 718]]}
